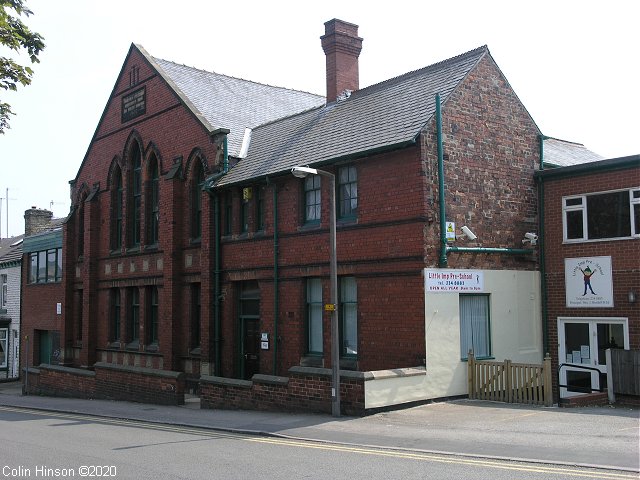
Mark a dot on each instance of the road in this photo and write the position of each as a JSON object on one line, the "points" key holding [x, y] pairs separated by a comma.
{"points": [[37, 444]]}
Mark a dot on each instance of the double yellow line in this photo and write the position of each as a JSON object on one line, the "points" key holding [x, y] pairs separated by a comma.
{"points": [[516, 466]]}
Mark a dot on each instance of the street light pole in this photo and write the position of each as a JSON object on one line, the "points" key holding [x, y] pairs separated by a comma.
{"points": [[302, 172]]}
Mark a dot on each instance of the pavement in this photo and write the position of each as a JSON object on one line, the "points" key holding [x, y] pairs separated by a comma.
{"points": [[602, 437]]}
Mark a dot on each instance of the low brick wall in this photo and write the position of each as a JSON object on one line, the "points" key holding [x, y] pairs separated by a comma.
{"points": [[57, 381], [137, 384], [306, 389], [109, 382]]}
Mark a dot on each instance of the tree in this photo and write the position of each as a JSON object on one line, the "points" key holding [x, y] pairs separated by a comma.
{"points": [[15, 35]]}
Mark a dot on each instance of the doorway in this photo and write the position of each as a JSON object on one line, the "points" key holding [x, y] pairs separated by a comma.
{"points": [[249, 323], [49, 347], [582, 343]]}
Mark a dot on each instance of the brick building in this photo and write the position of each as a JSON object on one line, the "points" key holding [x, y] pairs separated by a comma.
{"points": [[42, 293], [591, 267], [191, 248]]}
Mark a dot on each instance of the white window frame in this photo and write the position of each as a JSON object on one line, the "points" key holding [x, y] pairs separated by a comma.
{"points": [[592, 323], [3, 290], [634, 202], [4, 345], [474, 326]]}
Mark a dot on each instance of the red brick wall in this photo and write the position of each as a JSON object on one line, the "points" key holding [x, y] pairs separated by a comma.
{"points": [[109, 382], [491, 151], [38, 312], [383, 249], [300, 391], [491, 148]]}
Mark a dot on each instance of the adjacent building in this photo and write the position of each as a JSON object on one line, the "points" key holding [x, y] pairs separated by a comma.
{"points": [[10, 262], [591, 268]]}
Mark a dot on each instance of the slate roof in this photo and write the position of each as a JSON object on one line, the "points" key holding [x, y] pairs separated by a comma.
{"points": [[377, 118], [10, 249], [230, 103], [561, 153]]}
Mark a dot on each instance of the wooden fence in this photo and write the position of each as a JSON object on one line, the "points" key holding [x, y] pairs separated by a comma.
{"points": [[623, 374], [510, 382]]}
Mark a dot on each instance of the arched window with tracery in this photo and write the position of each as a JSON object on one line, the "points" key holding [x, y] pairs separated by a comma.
{"points": [[80, 225], [153, 203], [196, 200], [116, 209], [134, 205]]}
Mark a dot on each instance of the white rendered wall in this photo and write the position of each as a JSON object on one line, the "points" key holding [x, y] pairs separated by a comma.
{"points": [[516, 329], [13, 311]]}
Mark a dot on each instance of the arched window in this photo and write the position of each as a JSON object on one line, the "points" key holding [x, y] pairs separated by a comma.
{"points": [[80, 226], [116, 210], [135, 196], [153, 203], [196, 200]]}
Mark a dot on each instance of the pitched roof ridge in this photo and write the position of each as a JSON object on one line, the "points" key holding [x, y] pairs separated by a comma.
{"points": [[297, 114], [564, 141], [433, 66], [235, 78]]}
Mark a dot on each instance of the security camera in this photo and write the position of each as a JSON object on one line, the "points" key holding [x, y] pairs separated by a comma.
{"points": [[531, 238], [466, 231]]}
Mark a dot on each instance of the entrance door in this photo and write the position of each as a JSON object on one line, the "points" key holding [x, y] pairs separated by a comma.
{"points": [[582, 346], [249, 329], [251, 347], [49, 351]]}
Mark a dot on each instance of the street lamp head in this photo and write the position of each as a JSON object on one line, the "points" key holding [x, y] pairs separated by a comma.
{"points": [[302, 172]]}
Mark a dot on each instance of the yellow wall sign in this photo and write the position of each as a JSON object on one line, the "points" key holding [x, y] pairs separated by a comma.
{"points": [[329, 307]]}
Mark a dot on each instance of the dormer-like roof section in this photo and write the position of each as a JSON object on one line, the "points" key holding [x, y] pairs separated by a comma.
{"points": [[381, 117], [230, 103]]}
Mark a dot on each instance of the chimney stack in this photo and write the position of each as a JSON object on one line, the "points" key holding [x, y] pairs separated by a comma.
{"points": [[342, 46], [36, 220]]}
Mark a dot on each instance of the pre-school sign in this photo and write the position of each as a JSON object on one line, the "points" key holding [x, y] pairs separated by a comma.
{"points": [[588, 282], [453, 281]]}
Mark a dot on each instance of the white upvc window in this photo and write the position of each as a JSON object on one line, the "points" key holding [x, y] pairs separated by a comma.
{"points": [[475, 326], [3, 291], [4, 353], [601, 216]]}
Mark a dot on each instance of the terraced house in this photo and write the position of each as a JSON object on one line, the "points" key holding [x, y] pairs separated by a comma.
{"points": [[192, 254]]}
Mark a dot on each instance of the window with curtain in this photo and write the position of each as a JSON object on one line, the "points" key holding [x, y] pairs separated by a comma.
{"points": [[347, 192], [349, 316], [312, 199], [475, 333], [314, 316]]}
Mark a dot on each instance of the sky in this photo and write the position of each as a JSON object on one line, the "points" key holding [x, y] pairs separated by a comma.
{"points": [[573, 64]]}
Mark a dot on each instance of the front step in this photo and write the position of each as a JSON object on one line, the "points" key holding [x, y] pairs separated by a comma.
{"points": [[590, 399]]}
